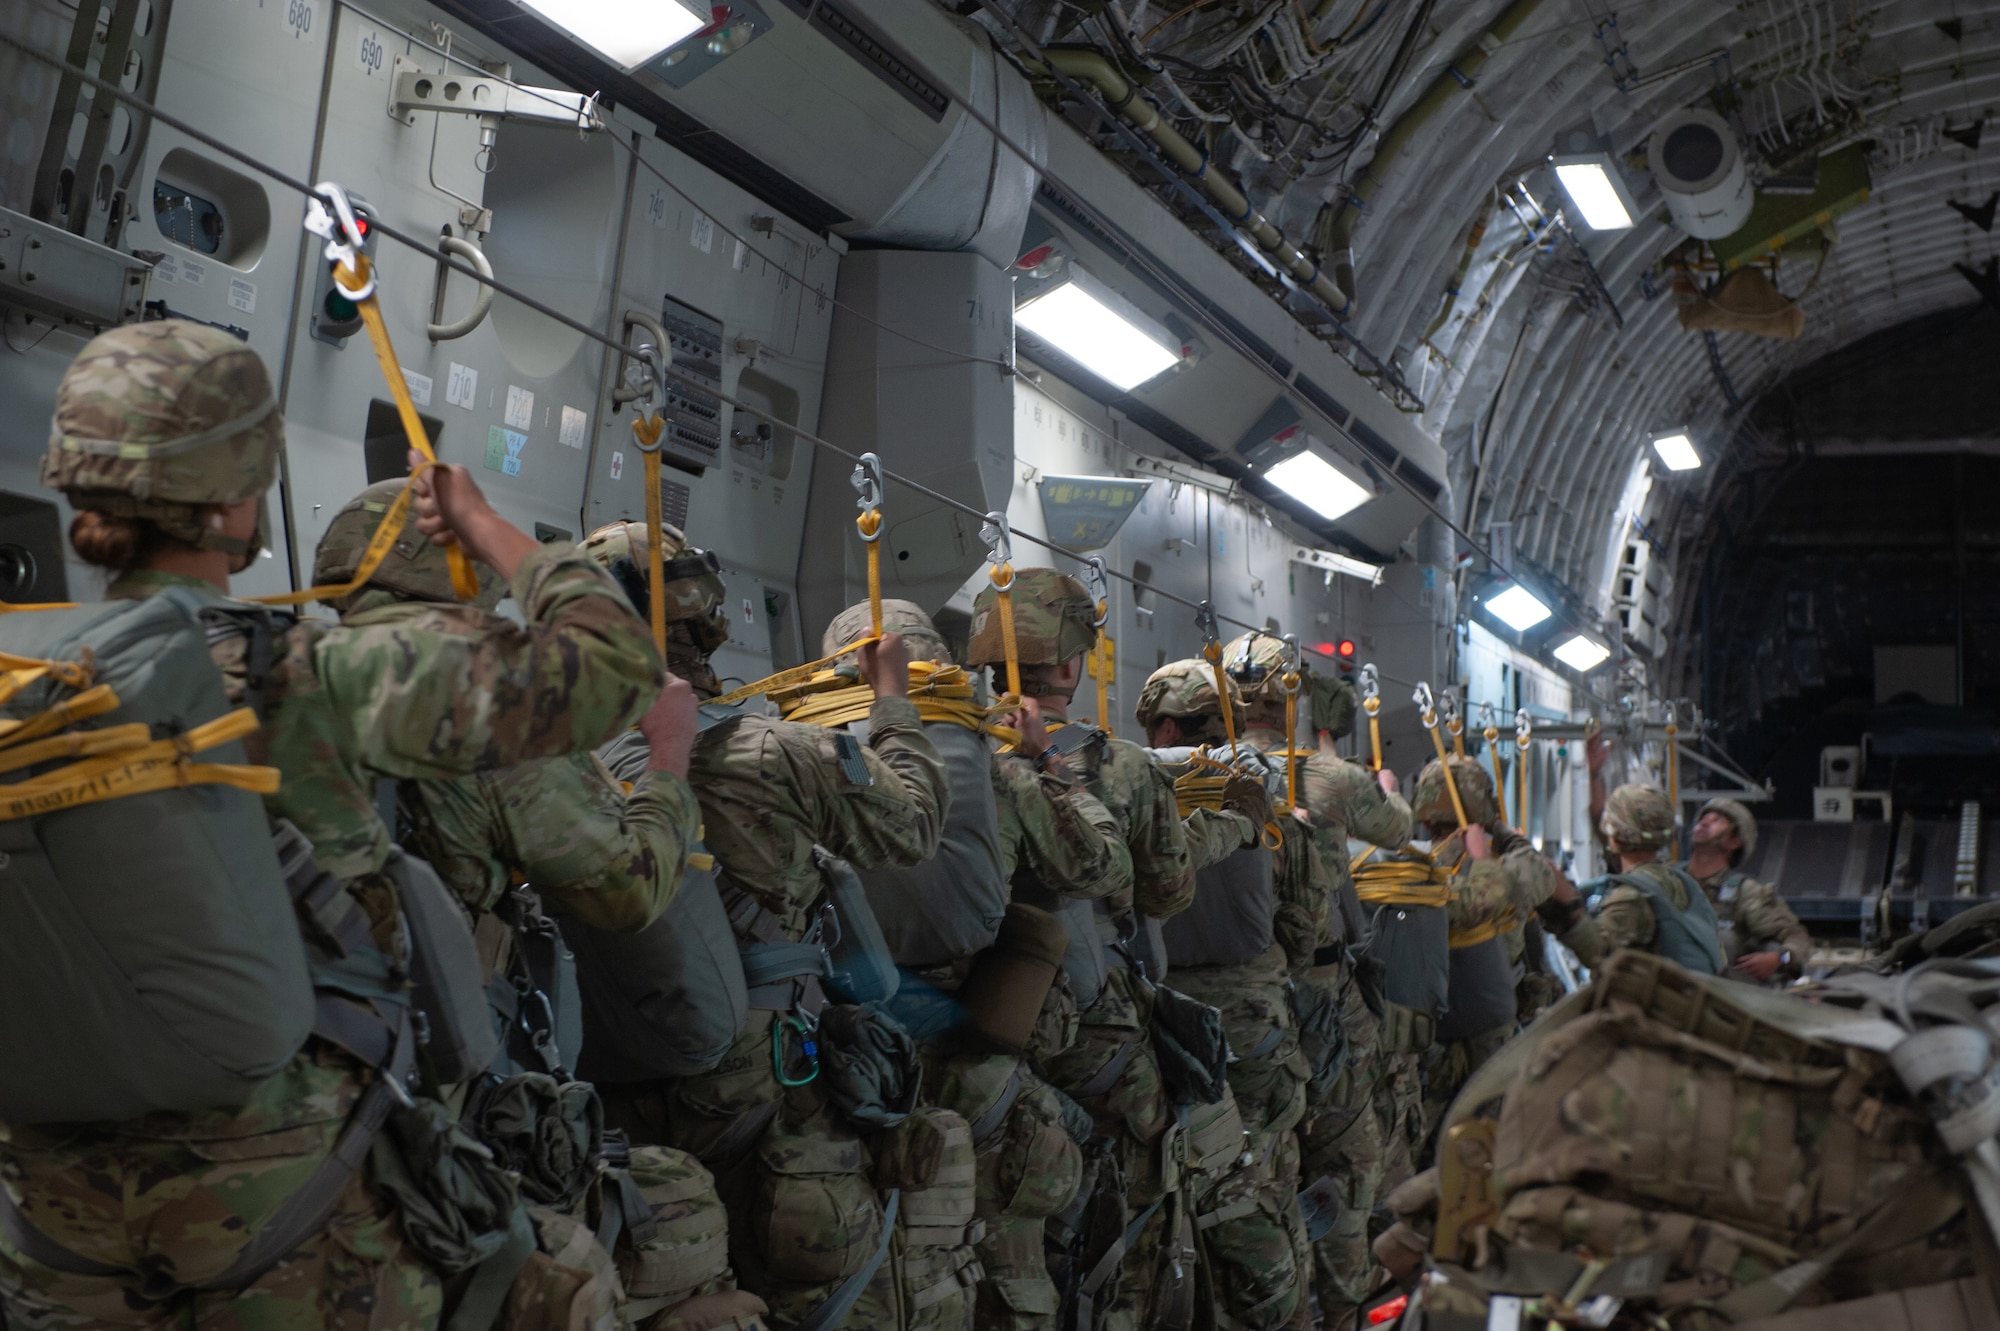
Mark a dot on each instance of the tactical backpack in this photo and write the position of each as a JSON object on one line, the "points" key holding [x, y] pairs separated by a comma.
{"points": [[669, 1000], [1688, 936], [950, 906], [152, 958]]}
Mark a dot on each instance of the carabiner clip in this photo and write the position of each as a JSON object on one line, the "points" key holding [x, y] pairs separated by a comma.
{"points": [[807, 1046], [867, 483], [1293, 678], [341, 231], [1524, 727], [1370, 685], [1204, 623], [1098, 583], [998, 534], [1426, 706]]}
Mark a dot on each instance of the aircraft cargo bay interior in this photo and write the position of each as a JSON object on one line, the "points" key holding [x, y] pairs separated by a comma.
{"points": [[1035, 665]]}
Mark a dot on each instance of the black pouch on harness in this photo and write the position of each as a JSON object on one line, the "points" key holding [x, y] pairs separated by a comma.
{"points": [[860, 968], [1192, 1050]]}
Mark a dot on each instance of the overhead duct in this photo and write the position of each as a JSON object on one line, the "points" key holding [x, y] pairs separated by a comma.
{"points": [[1700, 170], [934, 401], [834, 75]]}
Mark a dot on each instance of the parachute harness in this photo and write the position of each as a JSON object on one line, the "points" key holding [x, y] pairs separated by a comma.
{"points": [[867, 481]]}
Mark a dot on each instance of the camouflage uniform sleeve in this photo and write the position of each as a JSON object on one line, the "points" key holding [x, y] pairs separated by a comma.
{"points": [[1766, 924], [1530, 876], [609, 859], [899, 815], [1140, 795], [1480, 895], [1625, 919], [1586, 939], [1060, 834], [420, 700], [1213, 835]]}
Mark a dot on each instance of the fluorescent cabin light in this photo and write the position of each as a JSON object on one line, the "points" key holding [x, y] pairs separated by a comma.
{"points": [[1581, 654], [1086, 328], [1318, 484], [1590, 188], [627, 32], [1518, 608], [1677, 451]]}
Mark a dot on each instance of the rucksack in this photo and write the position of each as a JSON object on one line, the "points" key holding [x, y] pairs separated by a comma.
{"points": [[1409, 941], [152, 957], [1233, 919], [669, 1000], [950, 906], [1479, 991]]}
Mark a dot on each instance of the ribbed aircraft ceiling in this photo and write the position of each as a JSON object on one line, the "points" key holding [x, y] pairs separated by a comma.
{"points": [[1547, 355]]}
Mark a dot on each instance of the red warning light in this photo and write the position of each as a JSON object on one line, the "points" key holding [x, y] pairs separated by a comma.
{"points": [[1346, 649]]}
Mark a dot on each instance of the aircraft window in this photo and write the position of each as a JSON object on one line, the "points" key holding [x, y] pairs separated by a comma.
{"points": [[187, 219]]}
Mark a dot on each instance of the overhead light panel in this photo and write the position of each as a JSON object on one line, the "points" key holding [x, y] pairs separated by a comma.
{"points": [[1095, 327], [1677, 451], [626, 32], [1597, 190], [1518, 608], [1582, 654], [1319, 485]]}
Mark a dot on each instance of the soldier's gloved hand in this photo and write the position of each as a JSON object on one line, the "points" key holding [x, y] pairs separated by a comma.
{"points": [[1246, 795], [451, 508], [670, 726], [886, 666], [1034, 735]]}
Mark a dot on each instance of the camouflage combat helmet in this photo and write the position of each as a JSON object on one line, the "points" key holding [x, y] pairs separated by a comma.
{"points": [[413, 566], [1255, 664], [1431, 803], [696, 619], [1638, 818], [1054, 621], [1746, 825], [1185, 689], [1333, 704], [905, 618], [158, 420]]}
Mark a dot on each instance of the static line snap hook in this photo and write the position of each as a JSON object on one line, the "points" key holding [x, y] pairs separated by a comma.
{"points": [[1524, 727], [998, 534], [341, 230], [1098, 583], [1293, 679], [1489, 720], [1426, 705], [1204, 623], [1371, 685], [867, 482]]}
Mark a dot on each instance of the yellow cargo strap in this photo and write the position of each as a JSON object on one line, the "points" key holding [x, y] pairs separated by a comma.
{"points": [[1491, 734], [1291, 682], [1371, 702], [867, 479], [647, 430], [138, 767], [1201, 787], [1524, 729], [999, 538], [1427, 713], [1099, 665], [1211, 652], [1404, 881], [941, 693], [355, 279]]}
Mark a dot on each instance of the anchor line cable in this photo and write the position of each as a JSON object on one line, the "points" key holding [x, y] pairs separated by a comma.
{"points": [[416, 244]]}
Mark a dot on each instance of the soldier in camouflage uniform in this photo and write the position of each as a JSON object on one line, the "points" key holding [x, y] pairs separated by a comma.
{"points": [[1055, 844], [1111, 1069], [803, 1213], [565, 831], [177, 1196], [1345, 1138], [1648, 904], [1762, 939], [1268, 1068], [1504, 881]]}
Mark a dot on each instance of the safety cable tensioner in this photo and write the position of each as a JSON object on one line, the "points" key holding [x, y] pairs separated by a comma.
{"points": [[1371, 703], [1524, 731], [1490, 732], [1427, 713], [999, 537], [342, 233], [1099, 663], [1211, 652]]}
